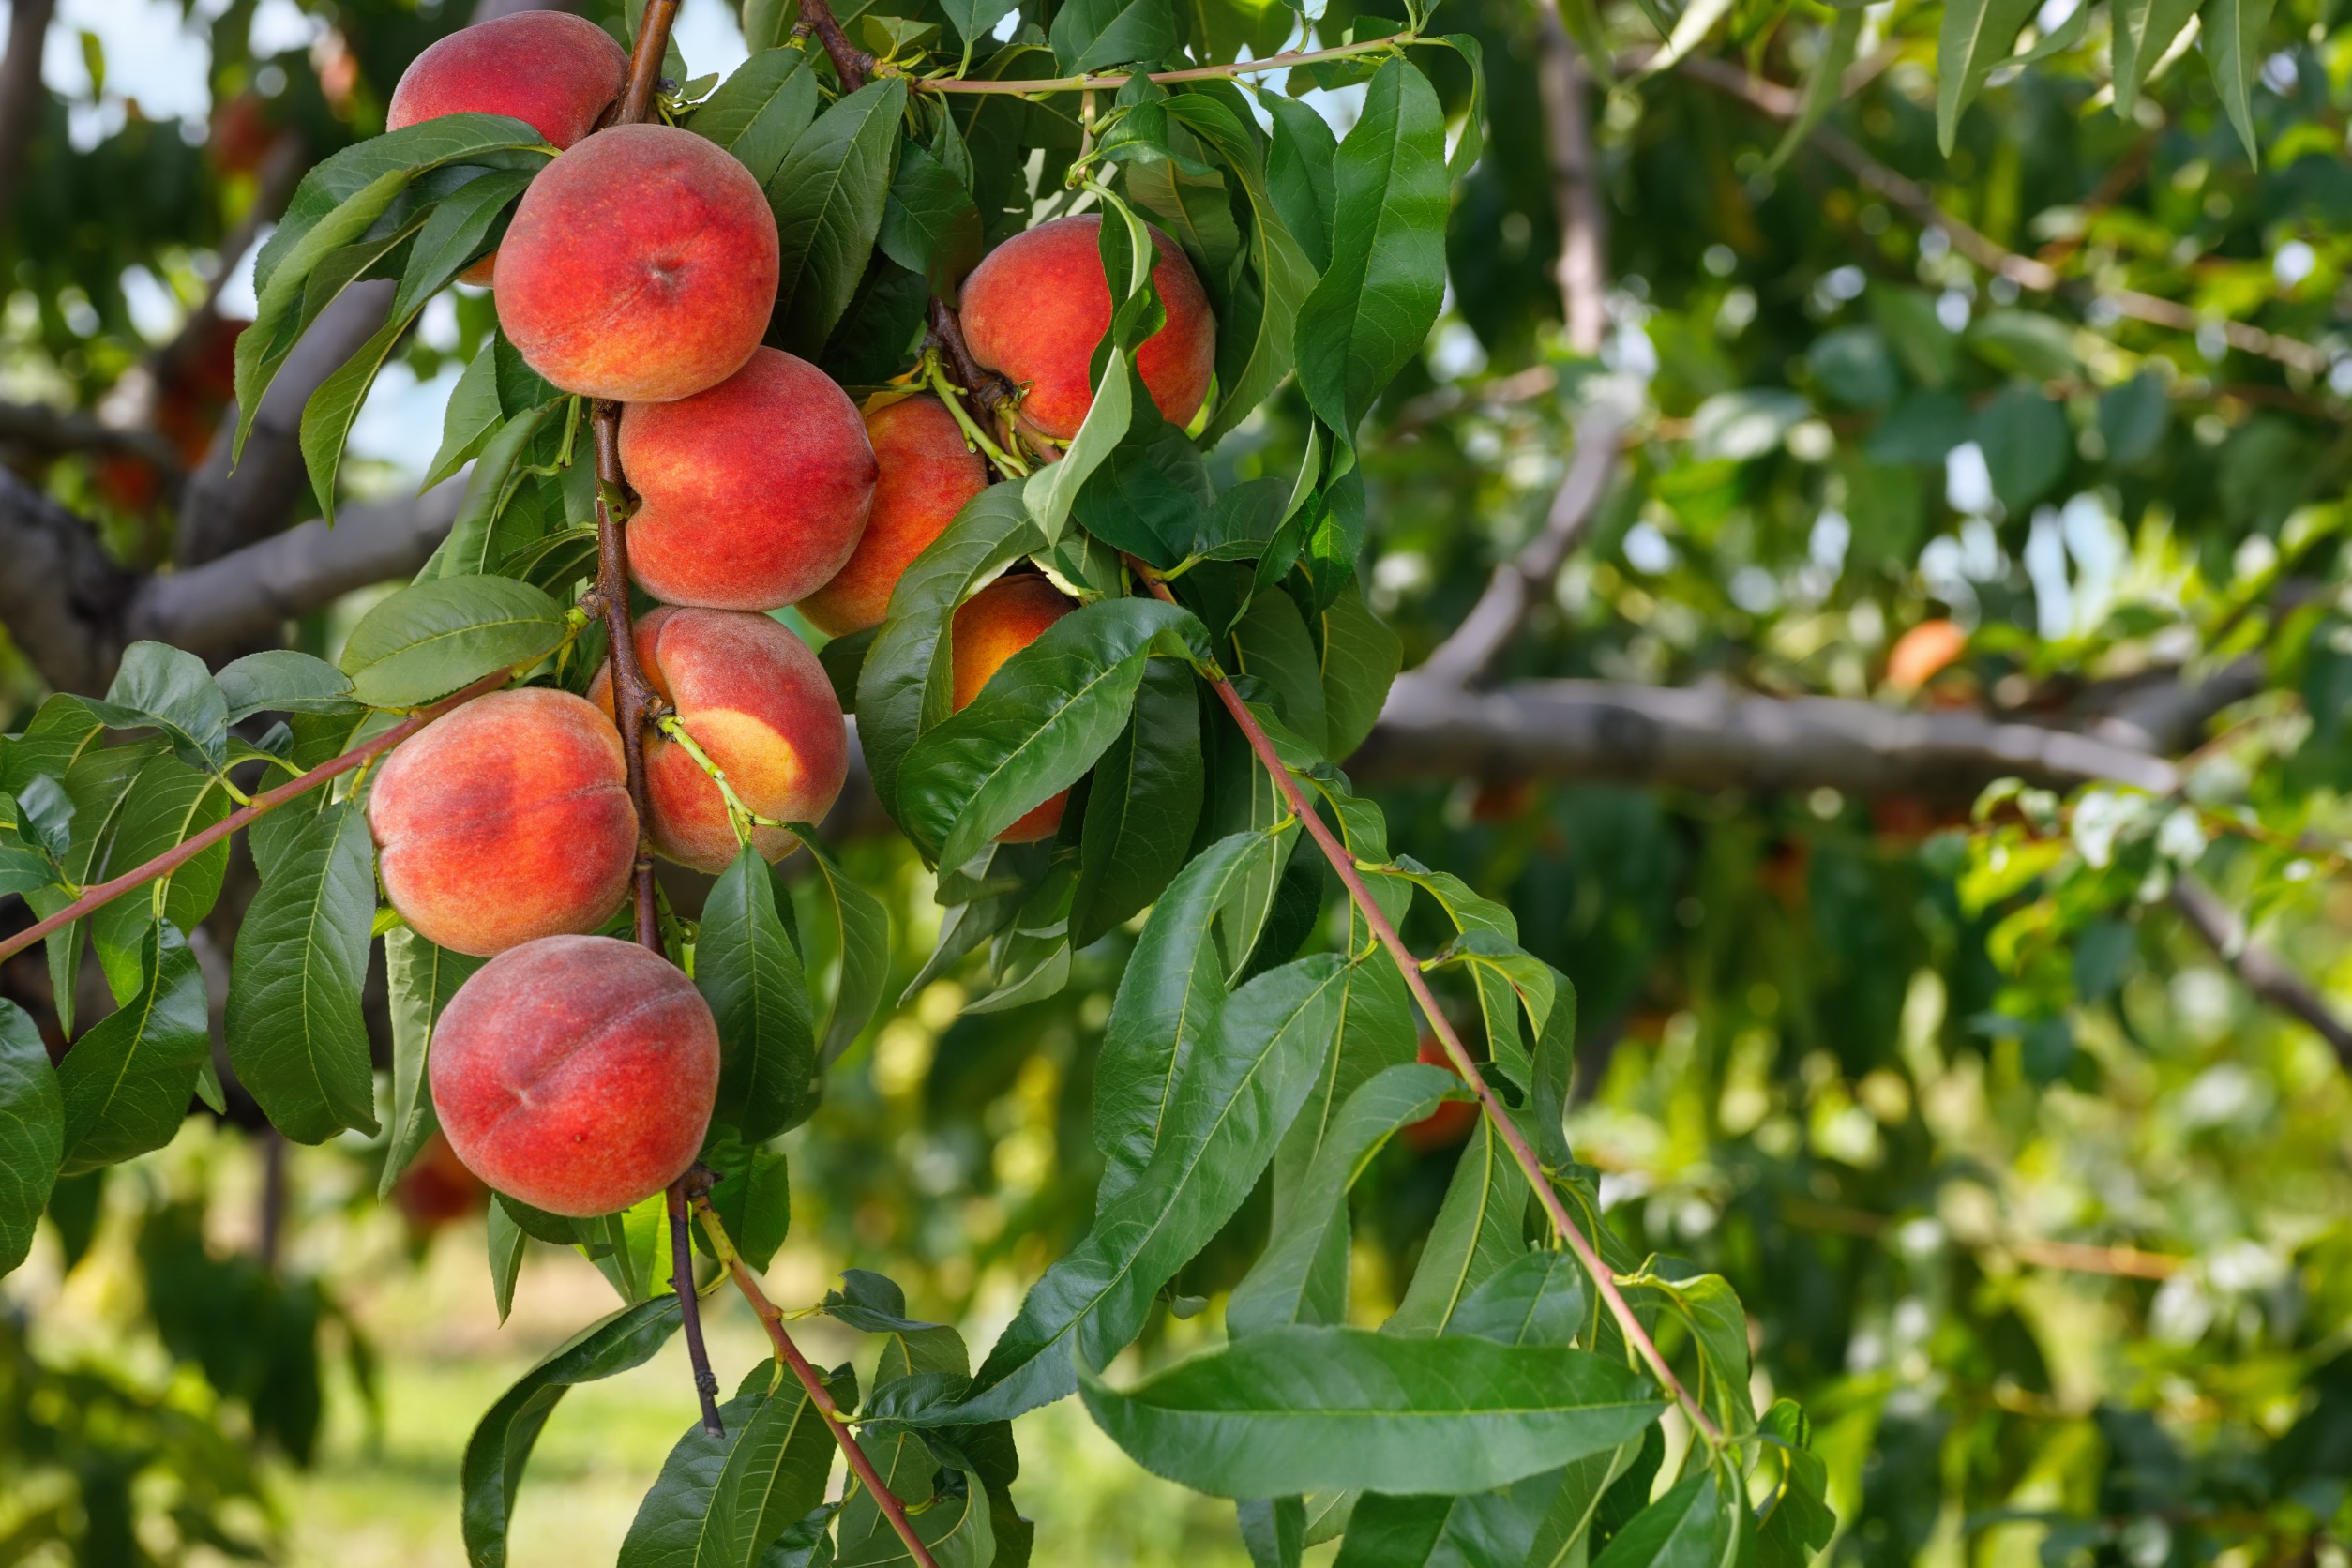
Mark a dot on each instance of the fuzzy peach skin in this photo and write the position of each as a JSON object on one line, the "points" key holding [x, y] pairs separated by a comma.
{"points": [[1037, 306], [505, 821], [755, 698], [641, 265], [557, 71], [755, 492], [927, 473], [576, 1073], [991, 628]]}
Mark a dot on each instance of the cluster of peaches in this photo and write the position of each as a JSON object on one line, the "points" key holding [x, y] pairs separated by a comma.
{"points": [[576, 1072]]}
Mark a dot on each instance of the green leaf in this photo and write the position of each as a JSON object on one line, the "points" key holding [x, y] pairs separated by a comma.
{"points": [[1041, 721], [1496, 1527], [904, 685], [1088, 35], [99, 783], [1301, 176], [1279, 1289], [2142, 30], [296, 1037], [1795, 1522], [1273, 648], [1708, 1307], [2027, 445], [828, 195], [863, 929], [420, 978], [1360, 658], [472, 546], [1150, 494], [32, 1132], [930, 225], [747, 970], [1376, 303], [1274, 1530], [1168, 1001], [1476, 1233], [1127, 248], [500, 1444], [761, 110], [167, 803], [1142, 806], [127, 1082], [472, 413], [1536, 1299], [974, 19], [1376, 1032], [1227, 1110], [2231, 40], [1695, 1525], [508, 1243], [164, 689], [431, 639], [1824, 83], [720, 1502], [753, 1195], [1976, 36], [280, 680], [957, 1528], [1293, 1410]]}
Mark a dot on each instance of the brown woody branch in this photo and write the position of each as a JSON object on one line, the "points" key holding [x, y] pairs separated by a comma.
{"points": [[852, 64], [22, 94]]}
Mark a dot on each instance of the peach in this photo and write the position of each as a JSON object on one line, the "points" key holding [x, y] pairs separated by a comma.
{"points": [[1037, 306], [576, 1073], [641, 265], [1923, 652], [1452, 1122], [755, 492], [506, 821], [927, 475], [991, 628], [556, 71], [758, 702]]}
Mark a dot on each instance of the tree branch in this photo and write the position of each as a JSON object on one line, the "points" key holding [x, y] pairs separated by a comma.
{"points": [[1583, 269], [61, 597], [21, 93], [2263, 971], [1781, 103], [1469, 651], [42, 429]]}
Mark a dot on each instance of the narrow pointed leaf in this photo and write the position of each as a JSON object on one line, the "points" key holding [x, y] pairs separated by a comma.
{"points": [[127, 1084], [420, 978], [32, 1132], [747, 970]]}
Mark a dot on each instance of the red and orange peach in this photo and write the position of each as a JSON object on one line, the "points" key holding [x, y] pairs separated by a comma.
{"points": [[1037, 306], [577, 1074], [757, 701], [991, 628], [641, 265], [755, 492], [505, 821], [927, 474]]}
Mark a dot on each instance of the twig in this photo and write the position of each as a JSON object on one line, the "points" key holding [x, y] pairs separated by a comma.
{"points": [[1560, 78], [22, 94], [2125, 1262], [1191, 73], [1519, 585], [269, 800], [1344, 866], [59, 429], [772, 1318], [2263, 971], [1914, 198], [852, 64], [633, 699]]}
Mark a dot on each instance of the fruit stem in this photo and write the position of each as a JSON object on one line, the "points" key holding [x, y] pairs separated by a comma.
{"points": [[633, 700], [739, 816], [935, 374], [1344, 865], [269, 800], [1190, 73], [772, 1317], [850, 63]]}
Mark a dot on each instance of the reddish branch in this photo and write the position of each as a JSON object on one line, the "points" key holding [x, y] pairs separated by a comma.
{"points": [[852, 64], [1344, 865], [772, 1318], [269, 800]]}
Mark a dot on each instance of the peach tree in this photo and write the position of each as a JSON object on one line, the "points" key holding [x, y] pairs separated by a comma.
{"points": [[926, 333]]}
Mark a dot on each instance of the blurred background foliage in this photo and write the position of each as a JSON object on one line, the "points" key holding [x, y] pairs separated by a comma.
{"points": [[2039, 1210]]}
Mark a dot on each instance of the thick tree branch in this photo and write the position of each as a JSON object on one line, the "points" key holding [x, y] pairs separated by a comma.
{"points": [[1716, 738], [1469, 653], [1919, 202], [61, 597], [42, 429], [20, 92]]}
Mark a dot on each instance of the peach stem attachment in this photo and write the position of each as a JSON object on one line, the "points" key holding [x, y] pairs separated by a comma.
{"points": [[772, 1318], [1344, 865]]}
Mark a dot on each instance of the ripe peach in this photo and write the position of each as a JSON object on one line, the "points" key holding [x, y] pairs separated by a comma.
{"points": [[991, 628], [641, 265], [576, 1073], [1037, 306], [505, 821], [756, 700], [755, 492], [927, 475], [1923, 653], [555, 70], [1452, 1122]]}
